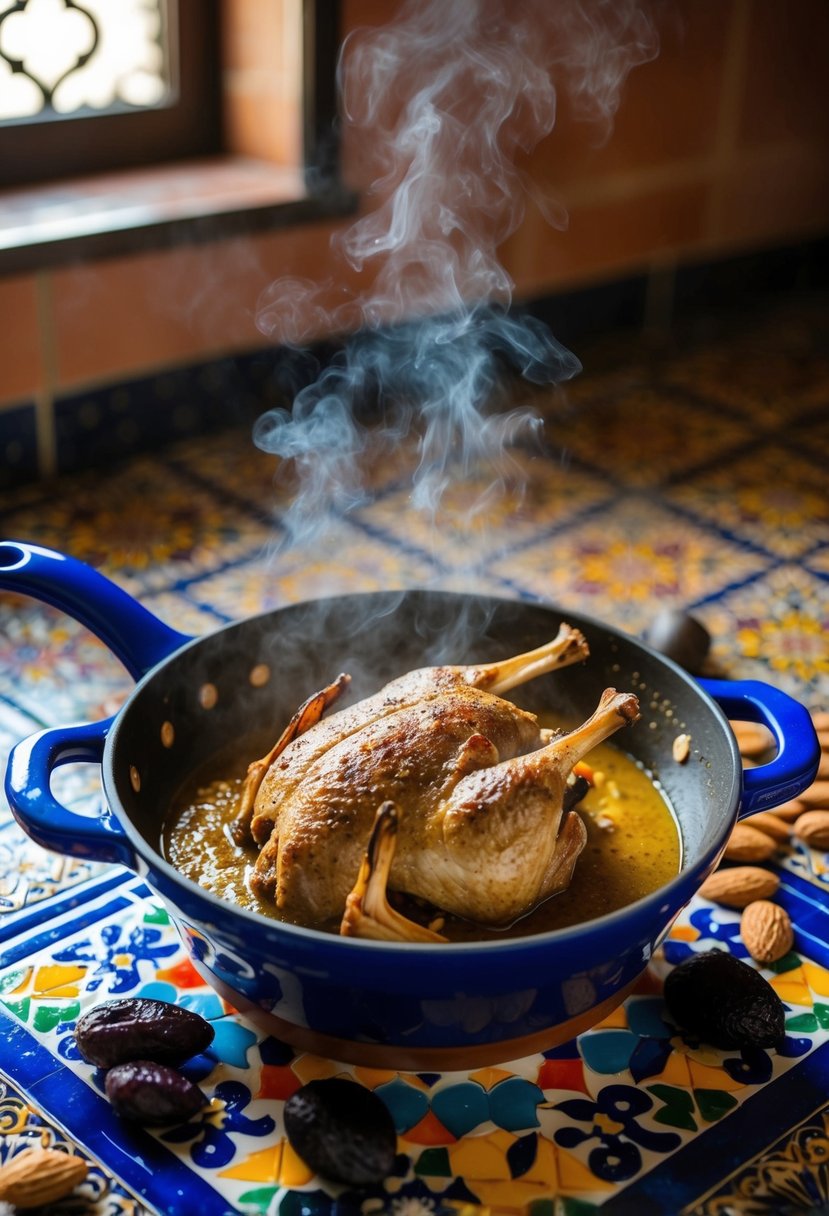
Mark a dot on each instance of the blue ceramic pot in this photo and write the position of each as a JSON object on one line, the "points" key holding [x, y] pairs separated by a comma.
{"points": [[405, 1006]]}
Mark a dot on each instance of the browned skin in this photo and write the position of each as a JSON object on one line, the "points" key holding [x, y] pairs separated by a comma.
{"points": [[472, 778], [500, 841]]}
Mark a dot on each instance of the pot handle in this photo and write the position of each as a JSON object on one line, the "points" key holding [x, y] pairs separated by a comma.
{"points": [[39, 813], [134, 635], [794, 767]]}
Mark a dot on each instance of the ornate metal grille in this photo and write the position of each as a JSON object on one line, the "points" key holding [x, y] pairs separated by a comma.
{"points": [[84, 57]]}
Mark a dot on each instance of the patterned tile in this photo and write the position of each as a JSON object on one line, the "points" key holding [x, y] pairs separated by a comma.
{"points": [[626, 561], [53, 669], [487, 512], [776, 628], [344, 561], [141, 524], [770, 376], [647, 436], [778, 503]]}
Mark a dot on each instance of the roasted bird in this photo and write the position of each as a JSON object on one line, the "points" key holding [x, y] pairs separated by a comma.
{"points": [[436, 787]]}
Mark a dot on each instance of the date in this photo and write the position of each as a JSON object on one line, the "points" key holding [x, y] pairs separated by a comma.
{"points": [[140, 1028], [342, 1131], [152, 1094]]}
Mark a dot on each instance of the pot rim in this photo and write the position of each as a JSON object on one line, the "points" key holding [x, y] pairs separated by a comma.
{"points": [[659, 906]]}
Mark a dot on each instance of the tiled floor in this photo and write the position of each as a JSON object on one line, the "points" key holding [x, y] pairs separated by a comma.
{"points": [[692, 475]]}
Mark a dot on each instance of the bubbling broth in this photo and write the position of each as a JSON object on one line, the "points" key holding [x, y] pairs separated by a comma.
{"points": [[633, 846]]}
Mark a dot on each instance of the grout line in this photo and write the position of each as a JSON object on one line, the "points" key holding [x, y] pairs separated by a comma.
{"points": [[730, 111], [45, 397]]}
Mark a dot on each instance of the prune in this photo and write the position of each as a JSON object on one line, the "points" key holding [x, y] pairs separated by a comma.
{"points": [[724, 1001], [139, 1028], [151, 1093], [342, 1131], [679, 636]]}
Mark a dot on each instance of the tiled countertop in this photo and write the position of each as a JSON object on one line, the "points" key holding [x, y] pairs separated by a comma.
{"points": [[693, 476]]}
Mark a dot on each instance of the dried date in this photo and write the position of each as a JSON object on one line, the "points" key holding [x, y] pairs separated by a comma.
{"points": [[342, 1131], [151, 1093], [724, 1001], [139, 1028]]}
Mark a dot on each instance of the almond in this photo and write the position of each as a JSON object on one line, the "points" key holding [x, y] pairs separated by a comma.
{"points": [[820, 718], [789, 811], [817, 795], [813, 829], [753, 739], [771, 824], [823, 767], [39, 1176], [737, 886], [749, 844], [766, 931], [681, 748]]}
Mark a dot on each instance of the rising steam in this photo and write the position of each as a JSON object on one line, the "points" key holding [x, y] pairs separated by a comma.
{"points": [[449, 98]]}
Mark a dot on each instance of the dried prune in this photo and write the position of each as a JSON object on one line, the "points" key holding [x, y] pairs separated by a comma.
{"points": [[139, 1028], [724, 1001], [342, 1131], [151, 1093]]}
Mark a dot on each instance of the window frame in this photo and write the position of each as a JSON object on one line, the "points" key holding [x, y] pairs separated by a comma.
{"points": [[309, 192], [36, 150]]}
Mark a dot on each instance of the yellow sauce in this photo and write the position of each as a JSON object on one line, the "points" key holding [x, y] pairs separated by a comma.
{"points": [[632, 848]]}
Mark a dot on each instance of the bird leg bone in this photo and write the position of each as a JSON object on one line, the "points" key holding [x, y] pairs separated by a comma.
{"points": [[615, 709], [368, 912], [568, 646], [308, 714]]}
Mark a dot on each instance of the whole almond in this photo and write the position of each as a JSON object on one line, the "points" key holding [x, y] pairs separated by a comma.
{"points": [[817, 795], [768, 822], [789, 811], [813, 829], [766, 931], [681, 748], [753, 739], [40, 1176], [737, 886], [749, 844]]}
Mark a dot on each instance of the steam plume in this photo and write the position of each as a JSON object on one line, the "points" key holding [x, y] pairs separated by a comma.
{"points": [[450, 97]]}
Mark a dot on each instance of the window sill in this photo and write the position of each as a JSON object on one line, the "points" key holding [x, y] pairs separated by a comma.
{"points": [[141, 209]]}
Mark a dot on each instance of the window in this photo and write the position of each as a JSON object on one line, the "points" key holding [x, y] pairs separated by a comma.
{"points": [[93, 85], [151, 121]]}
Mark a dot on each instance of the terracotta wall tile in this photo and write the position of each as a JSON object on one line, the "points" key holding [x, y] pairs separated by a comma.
{"points": [[261, 122], [133, 314], [604, 239], [668, 107], [778, 197], [21, 372], [786, 91], [261, 46]]}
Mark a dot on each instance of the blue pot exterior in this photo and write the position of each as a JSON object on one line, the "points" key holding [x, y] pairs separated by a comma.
{"points": [[348, 997]]}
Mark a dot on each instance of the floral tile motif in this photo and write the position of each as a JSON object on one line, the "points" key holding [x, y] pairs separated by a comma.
{"points": [[647, 436], [141, 525], [625, 562], [578, 1122], [53, 668], [236, 467], [487, 513], [776, 628], [770, 377], [345, 561], [778, 504], [23, 1127]]}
